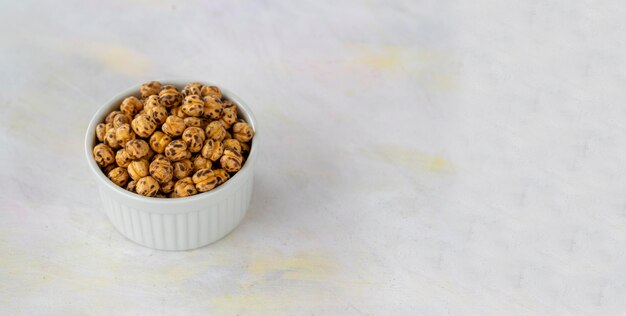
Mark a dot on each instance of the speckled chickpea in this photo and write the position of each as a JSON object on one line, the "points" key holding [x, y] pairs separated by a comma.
{"points": [[178, 112], [161, 169], [212, 107], [103, 154], [169, 96], [183, 168], [110, 138], [242, 132], [215, 131], [196, 122], [131, 106], [232, 144], [123, 134], [151, 101], [173, 126], [158, 141], [143, 125], [119, 176], [212, 91], [213, 149], [138, 169], [120, 119], [192, 88], [221, 175], [137, 148], [204, 179], [150, 88], [108, 168], [200, 162], [229, 104], [228, 135], [148, 186], [101, 132], [229, 117], [131, 186], [194, 138], [122, 159], [184, 187], [245, 148], [231, 160], [167, 187], [158, 114], [110, 116], [176, 150], [193, 106]]}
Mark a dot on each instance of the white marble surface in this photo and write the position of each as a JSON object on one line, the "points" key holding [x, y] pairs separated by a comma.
{"points": [[420, 157]]}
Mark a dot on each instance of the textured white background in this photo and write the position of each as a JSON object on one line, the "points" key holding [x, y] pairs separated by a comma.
{"points": [[420, 157]]}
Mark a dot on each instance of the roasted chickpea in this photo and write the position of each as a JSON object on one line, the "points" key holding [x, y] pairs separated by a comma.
{"points": [[158, 114], [151, 101], [242, 132], [122, 159], [200, 162], [176, 150], [196, 122], [193, 106], [138, 169], [101, 132], [110, 138], [131, 186], [167, 187], [161, 169], [120, 119], [194, 137], [137, 148], [232, 144], [119, 176], [212, 150], [143, 125], [131, 106], [147, 186], [191, 89], [183, 168], [103, 154], [158, 141], [215, 131], [169, 96], [173, 126], [212, 107], [184, 187], [229, 117], [221, 175], [231, 160], [150, 88], [123, 134], [212, 91], [110, 116], [204, 179]]}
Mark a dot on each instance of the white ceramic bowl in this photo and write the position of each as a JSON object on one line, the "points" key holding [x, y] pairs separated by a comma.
{"points": [[180, 223]]}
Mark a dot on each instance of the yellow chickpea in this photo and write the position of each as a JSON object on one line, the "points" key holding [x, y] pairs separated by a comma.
{"points": [[103, 154]]}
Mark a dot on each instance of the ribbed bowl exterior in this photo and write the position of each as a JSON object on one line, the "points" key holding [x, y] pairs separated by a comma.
{"points": [[179, 223], [184, 230]]}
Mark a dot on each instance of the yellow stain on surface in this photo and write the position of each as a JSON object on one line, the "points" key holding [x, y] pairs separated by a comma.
{"points": [[303, 267], [430, 67], [413, 159], [118, 58]]}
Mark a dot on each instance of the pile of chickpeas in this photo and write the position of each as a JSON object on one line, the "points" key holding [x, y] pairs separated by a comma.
{"points": [[172, 143]]}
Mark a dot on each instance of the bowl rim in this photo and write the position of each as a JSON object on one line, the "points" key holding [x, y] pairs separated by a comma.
{"points": [[108, 106]]}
